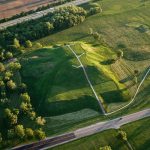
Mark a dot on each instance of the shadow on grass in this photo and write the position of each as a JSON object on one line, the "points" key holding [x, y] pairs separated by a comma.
{"points": [[65, 106], [126, 79], [113, 96], [107, 62]]}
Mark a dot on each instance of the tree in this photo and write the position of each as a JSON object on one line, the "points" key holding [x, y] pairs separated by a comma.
{"points": [[25, 97], [9, 55], [28, 44], [16, 43], [96, 35], [12, 118], [38, 45], [2, 83], [19, 131], [32, 115], [8, 75], [105, 148], [136, 72], [123, 135], [90, 31], [120, 54], [14, 66], [40, 121], [25, 107], [40, 134], [2, 67], [11, 85], [29, 133]]}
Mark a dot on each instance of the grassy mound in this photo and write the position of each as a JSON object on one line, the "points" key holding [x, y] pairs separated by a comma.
{"points": [[57, 87]]}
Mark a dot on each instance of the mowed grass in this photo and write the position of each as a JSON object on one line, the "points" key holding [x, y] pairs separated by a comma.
{"points": [[114, 26], [137, 133], [57, 87], [123, 25]]}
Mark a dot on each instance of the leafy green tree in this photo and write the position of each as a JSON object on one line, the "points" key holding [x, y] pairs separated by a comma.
{"points": [[8, 75], [25, 107], [32, 115], [11, 118], [9, 55], [11, 85], [40, 121], [14, 66], [16, 43], [96, 35], [38, 45], [25, 97], [2, 67], [29, 133], [28, 44], [123, 135], [105, 148], [20, 131], [40, 134], [120, 54], [2, 83]]}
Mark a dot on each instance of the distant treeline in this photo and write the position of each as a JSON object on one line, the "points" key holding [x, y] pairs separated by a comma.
{"points": [[22, 14], [61, 18]]}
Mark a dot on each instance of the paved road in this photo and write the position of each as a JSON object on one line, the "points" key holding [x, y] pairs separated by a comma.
{"points": [[86, 131], [86, 75], [38, 14]]}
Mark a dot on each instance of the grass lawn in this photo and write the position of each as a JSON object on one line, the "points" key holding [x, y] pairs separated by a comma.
{"points": [[60, 90], [137, 133]]}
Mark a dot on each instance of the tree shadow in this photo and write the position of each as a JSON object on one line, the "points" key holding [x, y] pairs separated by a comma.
{"points": [[113, 96], [126, 79], [108, 62]]}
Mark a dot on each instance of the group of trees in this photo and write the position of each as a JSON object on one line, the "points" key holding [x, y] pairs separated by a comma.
{"points": [[61, 18], [20, 107]]}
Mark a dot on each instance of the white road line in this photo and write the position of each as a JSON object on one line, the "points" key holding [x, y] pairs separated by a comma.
{"points": [[134, 95], [78, 58]]}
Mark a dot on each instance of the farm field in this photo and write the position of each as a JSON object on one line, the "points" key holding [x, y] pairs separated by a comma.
{"points": [[9, 8]]}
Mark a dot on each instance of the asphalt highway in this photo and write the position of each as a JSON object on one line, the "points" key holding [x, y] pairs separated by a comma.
{"points": [[86, 131], [38, 14]]}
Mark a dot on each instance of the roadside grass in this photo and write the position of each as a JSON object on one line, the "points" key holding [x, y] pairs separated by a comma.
{"points": [[137, 133]]}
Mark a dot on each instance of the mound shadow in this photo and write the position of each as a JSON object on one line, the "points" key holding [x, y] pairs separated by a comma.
{"points": [[65, 106], [113, 96]]}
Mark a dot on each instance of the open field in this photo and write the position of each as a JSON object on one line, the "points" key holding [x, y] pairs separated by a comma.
{"points": [[137, 133], [9, 8]]}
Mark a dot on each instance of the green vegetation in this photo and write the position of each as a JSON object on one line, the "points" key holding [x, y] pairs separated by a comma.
{"points": [[114, 44], [137, 132]]}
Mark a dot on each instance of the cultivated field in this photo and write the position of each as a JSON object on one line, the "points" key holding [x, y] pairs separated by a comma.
{"points": [[9, 8]]}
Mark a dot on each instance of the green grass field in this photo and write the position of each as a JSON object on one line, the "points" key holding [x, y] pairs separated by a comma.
{"points": [[59, 90], [137, 134]]}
